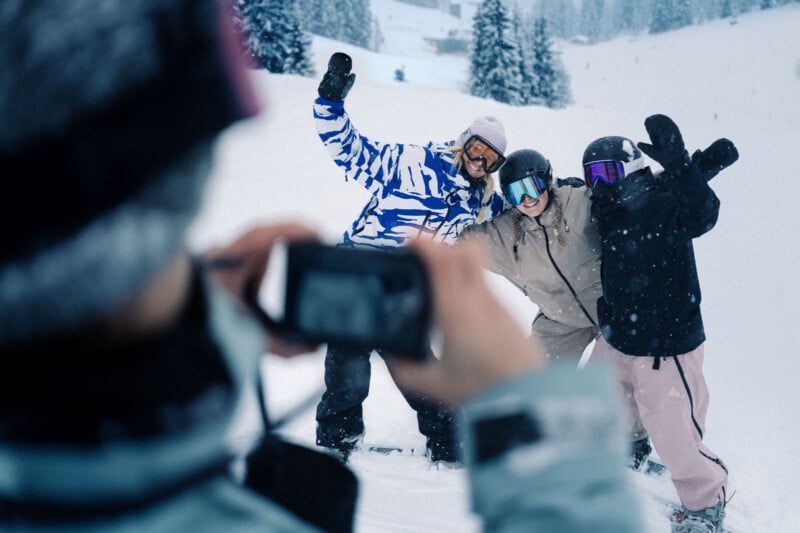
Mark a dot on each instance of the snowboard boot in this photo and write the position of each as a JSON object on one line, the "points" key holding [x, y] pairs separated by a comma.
{"points": [[640, 451], [444, 452], [708, 520], [342, 448]]}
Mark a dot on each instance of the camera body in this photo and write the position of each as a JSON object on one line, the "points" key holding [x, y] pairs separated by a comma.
{"points": [[356, 297]]}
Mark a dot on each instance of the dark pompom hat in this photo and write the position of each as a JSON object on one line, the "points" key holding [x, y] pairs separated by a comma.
{"points": [[109, 110]]}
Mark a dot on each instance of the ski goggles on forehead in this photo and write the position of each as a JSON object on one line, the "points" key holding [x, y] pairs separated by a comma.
{"points": [[610, 172], [533, 186], [476, 148]]}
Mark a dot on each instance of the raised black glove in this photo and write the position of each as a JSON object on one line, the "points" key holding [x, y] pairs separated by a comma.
{"points": [[719, 155], [338, 80], [667, 148]]}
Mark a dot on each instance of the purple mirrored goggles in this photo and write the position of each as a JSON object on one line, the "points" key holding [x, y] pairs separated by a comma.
{"points": [[610, 172]]}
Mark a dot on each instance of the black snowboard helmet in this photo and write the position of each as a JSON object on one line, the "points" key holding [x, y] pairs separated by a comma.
{"points": [[610, 159], [611, 148], [523, 163]]}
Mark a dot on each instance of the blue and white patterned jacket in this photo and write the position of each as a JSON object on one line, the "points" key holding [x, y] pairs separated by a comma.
{"points": [[416, 190]]}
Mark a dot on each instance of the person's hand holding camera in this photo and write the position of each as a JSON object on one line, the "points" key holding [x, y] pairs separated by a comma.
{"points": [[241, 265], [337, 80], [482, 344]]}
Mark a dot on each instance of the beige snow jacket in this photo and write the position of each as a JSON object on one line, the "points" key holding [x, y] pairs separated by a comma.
{"points": [[554, 258]]}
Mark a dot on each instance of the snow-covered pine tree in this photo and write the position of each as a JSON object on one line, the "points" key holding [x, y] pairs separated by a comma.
{"points": [[661, 16], [357, 23], [561, 15], [707, 10], [630, 15], [298, 44], [527, 77], [552, 80], [494, 63], [376, 39], [591, 17], [670, 15], [349, 21], [283, 46], [745, 6], [323, 18], [248, 20], [681, 14], [273, 35], [726, 10]]}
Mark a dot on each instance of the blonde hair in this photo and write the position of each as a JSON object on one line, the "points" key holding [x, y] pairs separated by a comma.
{"points": [[458, 153]]}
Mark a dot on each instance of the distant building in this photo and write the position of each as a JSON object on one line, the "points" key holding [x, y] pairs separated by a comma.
{"points": [[435, 4], [456, 42], [463, 9]]}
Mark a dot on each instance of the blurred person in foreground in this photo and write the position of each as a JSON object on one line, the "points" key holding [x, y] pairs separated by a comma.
{"points": [[428, 191], [127, 356]]}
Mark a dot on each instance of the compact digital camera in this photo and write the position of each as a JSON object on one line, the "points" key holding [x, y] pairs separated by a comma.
{"points": [[353, 297]]}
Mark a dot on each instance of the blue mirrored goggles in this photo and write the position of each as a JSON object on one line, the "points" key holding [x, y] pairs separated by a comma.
{"points": [[609, 172], [534, 186]]}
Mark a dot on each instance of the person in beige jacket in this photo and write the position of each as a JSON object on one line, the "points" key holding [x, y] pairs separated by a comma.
{"points": [[547, 245]]}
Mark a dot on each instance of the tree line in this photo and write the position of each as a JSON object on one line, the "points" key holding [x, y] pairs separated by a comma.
{"points": [[512, 58], [276, 33], [592, 21]]}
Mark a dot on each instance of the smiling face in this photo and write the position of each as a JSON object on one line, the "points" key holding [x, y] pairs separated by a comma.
{"points": [[534, 208], [473, 168]]}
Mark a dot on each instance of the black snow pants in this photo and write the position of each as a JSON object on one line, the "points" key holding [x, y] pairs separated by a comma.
{"points": [[339, 413]]}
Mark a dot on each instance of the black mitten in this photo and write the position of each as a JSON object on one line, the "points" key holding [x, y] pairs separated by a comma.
{"points": [[667, 148], [719, 155], [604, 194], [604, 201], [338, 80]]}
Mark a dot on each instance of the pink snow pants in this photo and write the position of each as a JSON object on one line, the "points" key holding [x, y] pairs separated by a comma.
{"points": [[671, 405]]}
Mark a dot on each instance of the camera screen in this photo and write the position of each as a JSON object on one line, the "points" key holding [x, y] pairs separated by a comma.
{"points": [[339, 304], [364, 298]]}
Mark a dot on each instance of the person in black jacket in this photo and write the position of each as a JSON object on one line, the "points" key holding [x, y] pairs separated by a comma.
{"points": [[649, 314]]}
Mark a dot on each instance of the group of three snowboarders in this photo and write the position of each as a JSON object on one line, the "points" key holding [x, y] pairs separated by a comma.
{"points": [[607, 259]]}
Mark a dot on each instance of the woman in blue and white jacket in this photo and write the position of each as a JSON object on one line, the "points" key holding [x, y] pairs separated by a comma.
{"points": [[432, 191]]}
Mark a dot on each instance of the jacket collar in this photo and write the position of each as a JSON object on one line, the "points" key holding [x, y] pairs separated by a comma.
{"points": [[118, 470]]}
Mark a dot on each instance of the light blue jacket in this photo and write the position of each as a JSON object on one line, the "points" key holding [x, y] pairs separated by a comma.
{"points": [[417, 191], [571, 479]]}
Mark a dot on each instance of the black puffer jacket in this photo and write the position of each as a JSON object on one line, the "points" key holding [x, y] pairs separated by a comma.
{"points": [[651, 294]]}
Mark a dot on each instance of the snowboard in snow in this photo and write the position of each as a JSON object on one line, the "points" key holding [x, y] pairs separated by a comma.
{"points": [[652, 467], [388, 449], [401, 451], [733, 523], [658, 492]]}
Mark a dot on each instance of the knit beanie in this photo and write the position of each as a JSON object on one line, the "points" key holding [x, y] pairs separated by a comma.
{"points": [[489, 129], [109, 110]]}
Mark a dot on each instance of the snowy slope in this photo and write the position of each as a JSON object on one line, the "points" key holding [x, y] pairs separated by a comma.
{"points": [[740, 81]]}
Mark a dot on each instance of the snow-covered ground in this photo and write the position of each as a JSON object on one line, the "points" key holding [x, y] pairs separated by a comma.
{"points": [[740, 81]]}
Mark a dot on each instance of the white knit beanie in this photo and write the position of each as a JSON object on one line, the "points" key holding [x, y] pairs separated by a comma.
{"points": [[487, 128]]}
